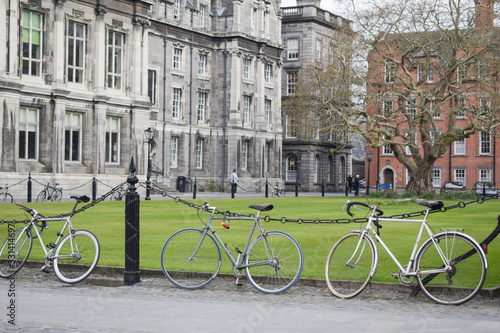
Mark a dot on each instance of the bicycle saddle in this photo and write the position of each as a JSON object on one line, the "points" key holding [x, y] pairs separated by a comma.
{"points": [[432, 204], [263, 207], [82, 198]]}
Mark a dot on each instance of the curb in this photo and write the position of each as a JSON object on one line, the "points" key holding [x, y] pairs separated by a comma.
{"points": [[111, 276]]}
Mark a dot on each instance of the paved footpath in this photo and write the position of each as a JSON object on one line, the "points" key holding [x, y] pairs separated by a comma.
{"points": [[44, 304]]}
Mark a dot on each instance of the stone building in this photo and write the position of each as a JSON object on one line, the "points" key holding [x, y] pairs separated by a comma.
{"points": [[317, 160], [80, 82]]}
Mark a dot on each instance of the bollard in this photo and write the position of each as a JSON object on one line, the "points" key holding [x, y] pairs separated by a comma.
{"points": [[195, 186], [346, 189], [296, 189], [94, 189], [267, 190], [29, 187], [132, 275], [322, 189]]}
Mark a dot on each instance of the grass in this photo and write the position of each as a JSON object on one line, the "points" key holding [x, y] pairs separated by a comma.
{"points": [[160, 218]]}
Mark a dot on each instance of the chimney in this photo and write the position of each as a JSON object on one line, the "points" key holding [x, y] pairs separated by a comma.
{"points": [[484, 15]]}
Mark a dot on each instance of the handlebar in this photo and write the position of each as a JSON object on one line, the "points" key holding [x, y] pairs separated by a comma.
{"points": [[350, 204], [29, 210]]}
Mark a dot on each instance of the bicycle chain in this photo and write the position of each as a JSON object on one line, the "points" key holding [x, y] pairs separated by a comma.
{"points": [[80, 210]]}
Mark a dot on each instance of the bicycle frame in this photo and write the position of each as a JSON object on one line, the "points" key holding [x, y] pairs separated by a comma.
{"points": [[410, 266], [237, 263]]}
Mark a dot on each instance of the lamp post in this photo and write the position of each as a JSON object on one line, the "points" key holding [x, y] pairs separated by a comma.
{"points": [[149, 134], [369, 156]]}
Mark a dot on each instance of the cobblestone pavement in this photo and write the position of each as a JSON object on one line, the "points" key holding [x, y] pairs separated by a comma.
{"points": [[44, 304]]}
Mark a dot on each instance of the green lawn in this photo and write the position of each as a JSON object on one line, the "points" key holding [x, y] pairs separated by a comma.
{"points": [[160, 218]]}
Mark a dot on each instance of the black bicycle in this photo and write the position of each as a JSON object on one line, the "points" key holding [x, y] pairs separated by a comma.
{"points": [[50, 193]]}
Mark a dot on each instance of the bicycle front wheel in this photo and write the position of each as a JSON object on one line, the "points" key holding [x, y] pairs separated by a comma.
{"points": [[189, 260], [6, 198], [41, 196], [15, 251], [56, 196], [274, 262], [116, 196], [350, 265], [76, 256], [465, 275]]}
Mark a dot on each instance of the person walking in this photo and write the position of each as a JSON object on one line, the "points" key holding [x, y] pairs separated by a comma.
{"points": [[356, 186], [349, 183], [234, 182]]}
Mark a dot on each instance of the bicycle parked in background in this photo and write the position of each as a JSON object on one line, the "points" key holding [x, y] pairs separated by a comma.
{"points": [[50, 193], [450, 266], [272, 262], [278, 191], [119, 194], [5, 196], [73, 256]]}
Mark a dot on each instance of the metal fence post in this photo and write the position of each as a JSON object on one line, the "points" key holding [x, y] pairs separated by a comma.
{"points": [[195, 186], [94, 189], [29, 188], [132, 275]]}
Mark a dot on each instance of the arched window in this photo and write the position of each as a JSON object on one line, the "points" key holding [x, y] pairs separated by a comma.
{"points": [[342, 171], [291, 169], [316, 168], [329, 170]]}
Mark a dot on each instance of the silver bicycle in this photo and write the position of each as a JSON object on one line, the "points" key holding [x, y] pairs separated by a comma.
{"points": [[450, 266], [73, 256], [272, 262]]}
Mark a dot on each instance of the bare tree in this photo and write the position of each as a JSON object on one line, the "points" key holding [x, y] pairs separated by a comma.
{"points": [[430, 73]]}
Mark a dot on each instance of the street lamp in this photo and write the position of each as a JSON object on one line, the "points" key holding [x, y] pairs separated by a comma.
{"points": [[369, 156], [149, 134]]}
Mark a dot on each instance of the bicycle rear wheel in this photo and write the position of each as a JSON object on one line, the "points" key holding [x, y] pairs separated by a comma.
{"points": [[466, 275], [56, 195], [350, 264], [76, 256], [41, 196], [6, 198], [15, 251], [187, 263], [274, 262]]}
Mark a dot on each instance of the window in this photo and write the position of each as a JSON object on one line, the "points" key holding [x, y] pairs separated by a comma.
{"points": [[247, 102], [411, 137], [484, 143], [177, 59], [291, 128], [485, 175], [253, 22], [291, 169], [115, 59], [244, 155], [152, 84], [293, 49], [76, 51], [389, 72], [267, 156], [201, 15], [462, 106], [461, 72], [460, 175], [436, 114], [112, 140], [484, 105], [176, 103], [267, 112], [436, 177], [202, 64], [388, 109], [177, 7], [246, 68], [483, 70], [202, 104], [28, 133], [316, 169], [460, 147], [430, 74], [72, 136], [291, 83], [420, 72], [387, 150], [173, 151], [410, 107], [329, 170], [318, 49], [267, 73], [32, 43], [199, 153]]}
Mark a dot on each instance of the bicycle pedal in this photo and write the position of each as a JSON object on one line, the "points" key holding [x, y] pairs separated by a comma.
{"points": [[394, 275], [51, 245], [238, 283], [45, 269]]}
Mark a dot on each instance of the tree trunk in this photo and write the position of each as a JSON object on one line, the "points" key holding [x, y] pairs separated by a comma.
{"points": [[420, 179]]}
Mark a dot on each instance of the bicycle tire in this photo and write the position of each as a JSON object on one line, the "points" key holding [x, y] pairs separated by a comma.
{"points": [[465, 277], [279, 272], [76, 256], [348, 280], [56, 195], [6, 198], [184, 270], [116, 196], [41, 196], [11, 262]]}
